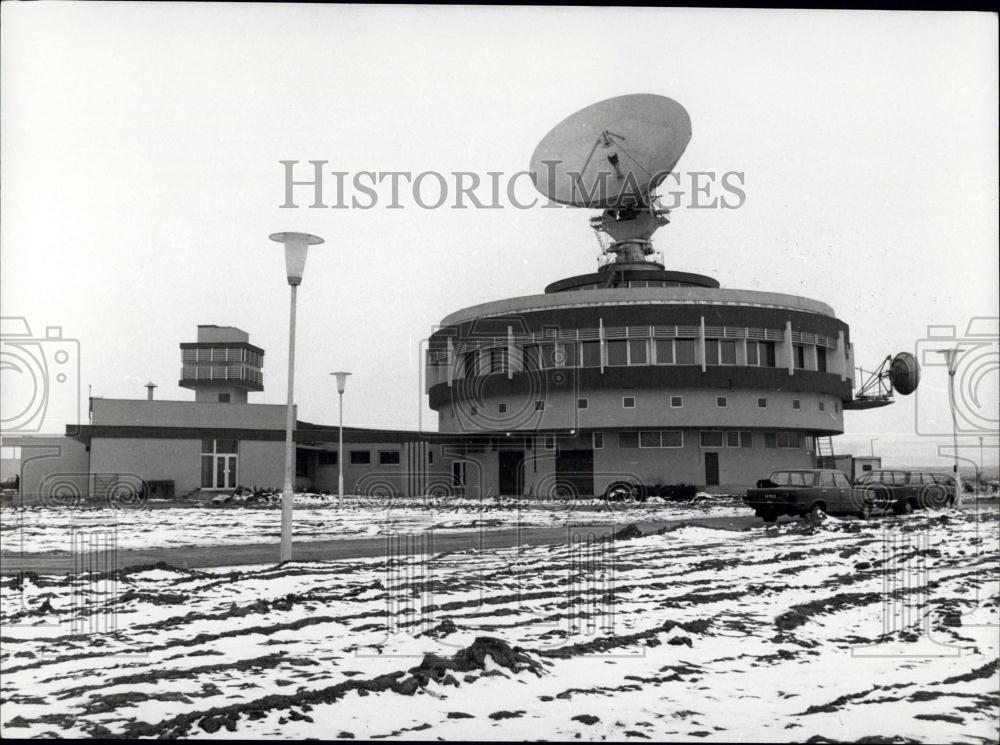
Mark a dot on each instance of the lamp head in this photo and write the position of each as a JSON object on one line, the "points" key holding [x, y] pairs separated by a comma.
{"points": [[296, 247], [341, 380]]}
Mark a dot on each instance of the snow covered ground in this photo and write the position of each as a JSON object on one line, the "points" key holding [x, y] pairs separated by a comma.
{"points": [[842, 631], [318, 518]]}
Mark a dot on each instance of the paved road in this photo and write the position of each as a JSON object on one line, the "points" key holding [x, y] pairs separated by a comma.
{"points": [[355, 548]]}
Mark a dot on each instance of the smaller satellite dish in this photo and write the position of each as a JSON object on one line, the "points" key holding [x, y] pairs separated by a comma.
{"points": [[904, 373], [612, 153]]}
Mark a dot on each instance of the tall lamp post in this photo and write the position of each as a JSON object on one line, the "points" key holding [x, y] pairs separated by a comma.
{"points": [[296, 248], [951, 355], [341, 384]]}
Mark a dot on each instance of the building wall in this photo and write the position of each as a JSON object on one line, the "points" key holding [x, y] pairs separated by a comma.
{"points": [[149, 460], [50, 466], [129, 412], [261, 463]]}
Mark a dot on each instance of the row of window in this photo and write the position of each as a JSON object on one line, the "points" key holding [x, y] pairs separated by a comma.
{"points": [[629, 352], [708, 438], [227, 354], [676, 402], [364, 457]]}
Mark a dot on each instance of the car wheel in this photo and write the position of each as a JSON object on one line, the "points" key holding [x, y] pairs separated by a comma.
{"points": [[619, 491], [904, 507], [817, 513]]}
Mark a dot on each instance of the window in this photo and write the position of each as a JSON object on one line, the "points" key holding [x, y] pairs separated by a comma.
{"points": [[770, 440], [388, 457], [224, 398], [569, 356], [531, 357], [664, 351], [866, 467], [498, 360], [721, 402], [826, 479], [799, 356], [684, 351], [591, 353], [539, 405], [796, 404], [732, 439], [430, 457], [672, 438], [581, 403], [676, 402], [628, 402], [458, 473], [327, 458], [469, 364], [821, 359], [628, 440], [822, 406], [727, 352], [617, 353], [746, 439], [550, 442], [597, 440], [712, 352], [711, 438], [501, 408], [753, 358], [841, 480], [637, 353], [649, 439], [836, 408], [783, 439], [360, 457]]}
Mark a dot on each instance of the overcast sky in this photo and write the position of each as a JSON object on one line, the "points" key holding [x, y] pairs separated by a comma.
{"points": [[141, 178]]}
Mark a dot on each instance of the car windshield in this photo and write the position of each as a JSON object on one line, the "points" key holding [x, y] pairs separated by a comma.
{"points": [[792, 478]]}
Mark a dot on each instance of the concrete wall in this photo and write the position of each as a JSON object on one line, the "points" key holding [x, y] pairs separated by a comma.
{"points": [[149, 460], [129, 412], [50, 466]]}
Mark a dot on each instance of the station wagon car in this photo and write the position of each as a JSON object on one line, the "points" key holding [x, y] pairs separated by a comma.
{"points": [[903, 491], [801, 492]]}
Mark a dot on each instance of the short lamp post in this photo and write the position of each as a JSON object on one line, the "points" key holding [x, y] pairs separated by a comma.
{"points": [[341, 384], [296, 248]]}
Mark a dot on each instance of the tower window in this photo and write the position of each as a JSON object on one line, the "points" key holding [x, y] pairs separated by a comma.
{"points": [[597, 440], [582, 403], [676, 402], [761, 403], [796, 404], [628, 402], [502, 408], [721, 402]]}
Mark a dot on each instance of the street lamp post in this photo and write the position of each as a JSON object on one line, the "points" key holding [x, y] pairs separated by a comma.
{"points": [[296, 248], [951, 355], [341, 383]]}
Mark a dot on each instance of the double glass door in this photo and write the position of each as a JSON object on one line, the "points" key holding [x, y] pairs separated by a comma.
{"points": [[219, 462]]}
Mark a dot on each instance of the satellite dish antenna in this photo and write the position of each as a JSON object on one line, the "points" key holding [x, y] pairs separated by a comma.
{"points": [[899, 374], [611, 156]]}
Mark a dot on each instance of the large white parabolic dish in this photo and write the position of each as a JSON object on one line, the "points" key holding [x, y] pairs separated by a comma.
{"points": [[627, 144]]}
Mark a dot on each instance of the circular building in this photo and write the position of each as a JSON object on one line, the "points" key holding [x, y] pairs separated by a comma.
{"points": [[639, 374]]}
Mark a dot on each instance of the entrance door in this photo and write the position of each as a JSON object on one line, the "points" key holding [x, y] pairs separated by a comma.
{"points": [[575, 469], [711, 469], [225, 471], [511, 472]]}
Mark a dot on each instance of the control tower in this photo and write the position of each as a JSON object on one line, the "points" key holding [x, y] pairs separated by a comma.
{"points": [[222, 366]]}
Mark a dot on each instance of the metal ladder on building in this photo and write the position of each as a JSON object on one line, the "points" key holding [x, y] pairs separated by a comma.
{"points": [[824, 452]]}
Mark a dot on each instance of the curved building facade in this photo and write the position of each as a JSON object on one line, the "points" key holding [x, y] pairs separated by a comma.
{"points": [[641, 374]]}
